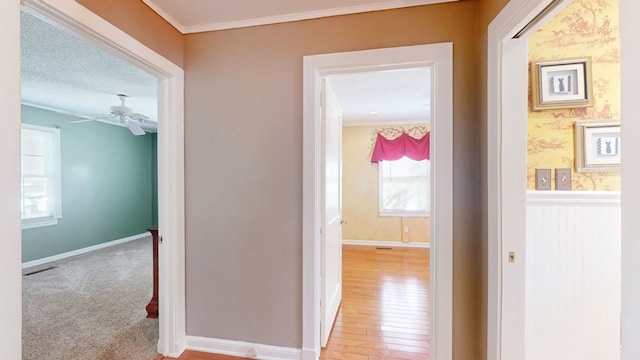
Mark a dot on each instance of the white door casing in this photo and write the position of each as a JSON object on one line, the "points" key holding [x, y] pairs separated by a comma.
{"points": [[506, 144], [10, 223], [76, 18], [630, 77], [331, 247], [506, 160], [440, 57]]}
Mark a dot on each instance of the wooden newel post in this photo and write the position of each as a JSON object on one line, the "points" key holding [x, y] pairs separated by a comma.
{"points": [[152, 306]]}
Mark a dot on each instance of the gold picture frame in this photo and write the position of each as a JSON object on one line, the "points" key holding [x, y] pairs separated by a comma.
{"points": [[597, 146], [561, 84]]}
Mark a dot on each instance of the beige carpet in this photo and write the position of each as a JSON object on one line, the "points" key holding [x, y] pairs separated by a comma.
{"points": [[91, 306]]}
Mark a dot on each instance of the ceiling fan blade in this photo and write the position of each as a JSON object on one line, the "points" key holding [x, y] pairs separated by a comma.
{"points": [[135, 128], [138, 116], [96, 118], [80, 121]]}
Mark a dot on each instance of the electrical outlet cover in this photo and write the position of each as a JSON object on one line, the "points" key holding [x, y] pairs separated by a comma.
{"points": [[543, 179], [563, 179]]}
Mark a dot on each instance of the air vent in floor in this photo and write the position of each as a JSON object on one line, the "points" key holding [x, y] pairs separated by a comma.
{"points": [[41, 270]]}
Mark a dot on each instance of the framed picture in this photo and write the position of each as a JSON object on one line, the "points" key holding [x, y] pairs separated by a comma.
{"points": [[597, 145], [561, 84]]}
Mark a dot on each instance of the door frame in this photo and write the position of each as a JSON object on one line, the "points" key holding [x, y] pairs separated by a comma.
{"points": [[506, 165], [440, 56], [76, 18], [506, 177], [629, 58], [10, 223]]}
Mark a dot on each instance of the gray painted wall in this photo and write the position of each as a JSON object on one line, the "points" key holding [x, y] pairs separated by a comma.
{"points": [[108, 186], [243, 163]]}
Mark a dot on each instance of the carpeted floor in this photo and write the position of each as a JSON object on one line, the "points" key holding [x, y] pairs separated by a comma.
{"points": [[91, 306]]}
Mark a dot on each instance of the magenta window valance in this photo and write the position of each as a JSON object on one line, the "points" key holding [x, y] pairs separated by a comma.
{"points": [[403, 145]]}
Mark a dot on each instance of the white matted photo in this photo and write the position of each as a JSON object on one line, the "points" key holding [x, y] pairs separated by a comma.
{"points": [[597, 145], [561, 84]]}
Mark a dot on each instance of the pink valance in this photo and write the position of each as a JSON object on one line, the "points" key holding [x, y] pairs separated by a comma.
{"points": [[404, 145]]}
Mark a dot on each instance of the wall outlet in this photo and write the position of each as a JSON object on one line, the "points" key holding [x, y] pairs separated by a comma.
{"points": [[563, 179], [543, 179], [406, 229]]}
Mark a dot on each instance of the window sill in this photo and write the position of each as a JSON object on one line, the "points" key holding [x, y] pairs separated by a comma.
{"points": [[34, 223], [421, 214]]}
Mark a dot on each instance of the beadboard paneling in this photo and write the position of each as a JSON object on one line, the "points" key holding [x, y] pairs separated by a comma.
{"points": [[573, 275]]}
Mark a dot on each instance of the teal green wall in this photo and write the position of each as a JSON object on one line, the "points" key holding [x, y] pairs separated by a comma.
{"points": [[109, 186]]}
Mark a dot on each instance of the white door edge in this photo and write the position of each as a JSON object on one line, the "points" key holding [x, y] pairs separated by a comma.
{"points": [[80, 20], [10, 222], [316, 66], [331, 240], [506, 166], [629, 60]]}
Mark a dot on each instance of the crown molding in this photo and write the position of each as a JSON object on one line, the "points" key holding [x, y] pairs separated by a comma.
{"points": [[165, 15], [224, 25]]}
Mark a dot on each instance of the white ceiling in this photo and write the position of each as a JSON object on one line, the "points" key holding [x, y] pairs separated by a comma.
{"points": [[66, 73], [189, 16], [401, 96]]}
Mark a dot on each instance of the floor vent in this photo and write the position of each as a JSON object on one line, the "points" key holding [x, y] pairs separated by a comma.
{"points": [[383, 248], [41, 270]]}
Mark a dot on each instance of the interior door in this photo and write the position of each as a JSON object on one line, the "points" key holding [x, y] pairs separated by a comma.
{"points": [[331, 248]]}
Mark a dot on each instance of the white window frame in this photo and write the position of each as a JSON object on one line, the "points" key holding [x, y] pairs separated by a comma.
{"points": [[56, 187], [402, 213]]}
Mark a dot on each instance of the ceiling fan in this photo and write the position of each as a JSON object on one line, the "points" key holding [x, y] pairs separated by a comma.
{"points": [[121, 115]]}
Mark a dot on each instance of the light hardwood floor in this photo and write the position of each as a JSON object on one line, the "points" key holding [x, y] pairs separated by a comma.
{"points": [[384, 309], [384, 312]]}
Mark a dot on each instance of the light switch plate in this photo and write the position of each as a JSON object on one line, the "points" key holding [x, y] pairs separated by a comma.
{"points": [[543, 179], [563, 179]]}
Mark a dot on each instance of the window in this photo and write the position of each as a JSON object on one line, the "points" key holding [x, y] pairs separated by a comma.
{"points": [[404, 188], [40, 176]]}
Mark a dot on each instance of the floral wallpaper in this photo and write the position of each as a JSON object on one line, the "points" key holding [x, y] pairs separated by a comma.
{"points": [[583, 28]]}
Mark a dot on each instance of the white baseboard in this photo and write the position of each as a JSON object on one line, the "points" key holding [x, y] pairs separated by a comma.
{"points": [[242, 349], [49, 259], [398, 244], [309, 354]]}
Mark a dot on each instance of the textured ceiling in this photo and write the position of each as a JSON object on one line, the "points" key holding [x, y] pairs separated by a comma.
{"points": [[190, 16], [64, 72]]}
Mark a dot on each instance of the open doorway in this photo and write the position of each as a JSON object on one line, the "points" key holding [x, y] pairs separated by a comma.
{"points": [[320, 66], [543, 277], [105, 177], [385, 214], [89, 194], [71, 15], [573, 238]]}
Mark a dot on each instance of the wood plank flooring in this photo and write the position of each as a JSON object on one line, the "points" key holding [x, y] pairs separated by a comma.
{"points": [[385, 307]]}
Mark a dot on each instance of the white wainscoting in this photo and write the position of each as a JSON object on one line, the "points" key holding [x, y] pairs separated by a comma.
{"points": [[573, 275]]}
